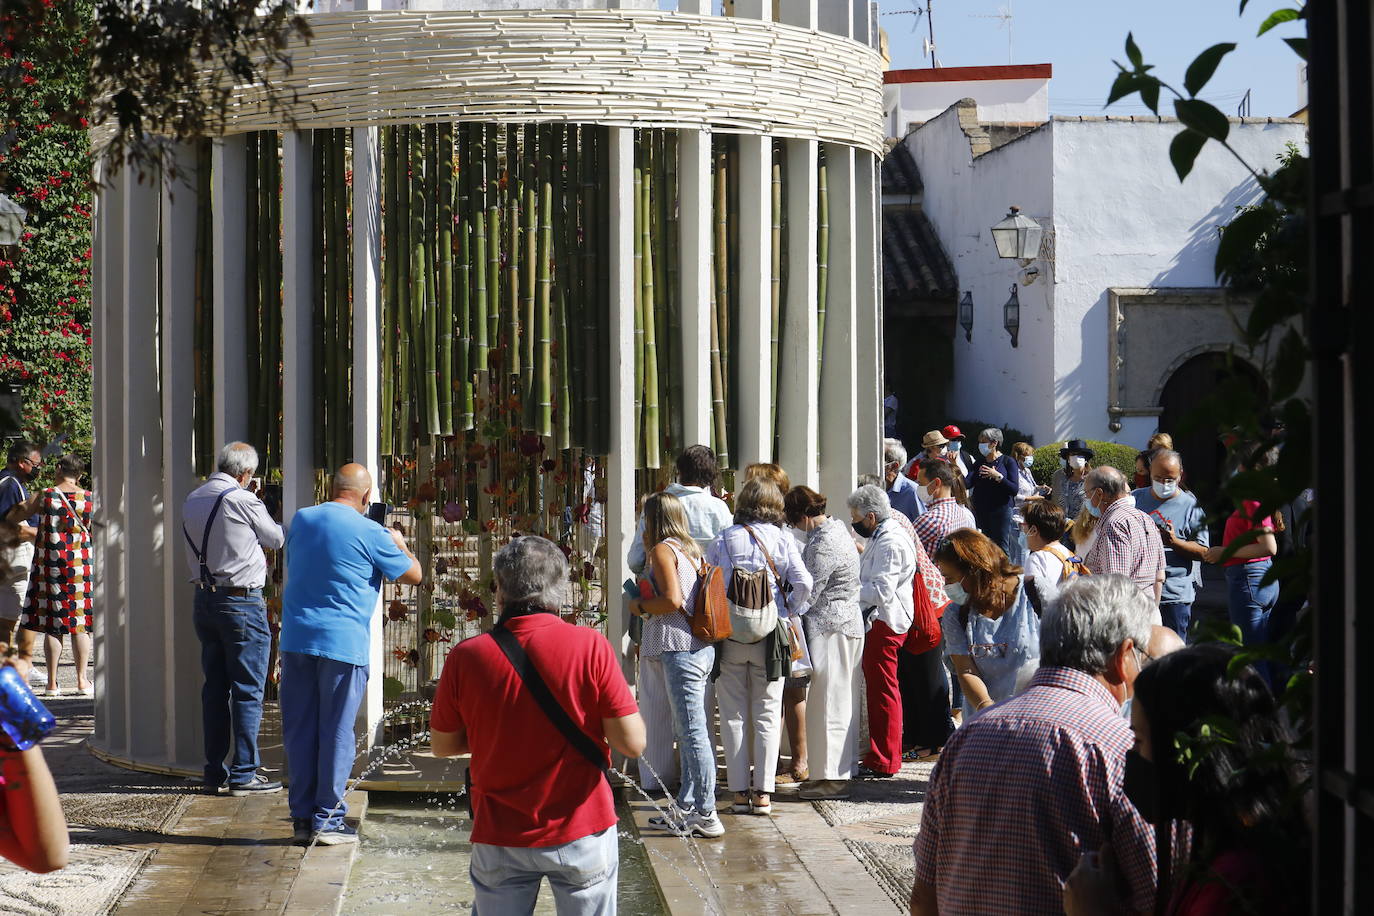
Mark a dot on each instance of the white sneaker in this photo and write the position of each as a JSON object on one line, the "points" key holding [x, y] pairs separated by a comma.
{"points": [[703, 825], [673, 819]]}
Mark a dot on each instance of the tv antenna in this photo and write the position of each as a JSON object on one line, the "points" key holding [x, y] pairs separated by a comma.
{"points": [[1005, 17], [927, 43]]}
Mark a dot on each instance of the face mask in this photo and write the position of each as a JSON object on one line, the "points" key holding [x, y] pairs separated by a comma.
{"points": [[1028, 461], [1164, 488], [1093, 510], [955, 446], [1077, 462], [1126, 708], [923, 494], [1141, 785], [985, 447], [956, 593], [863, 529]]}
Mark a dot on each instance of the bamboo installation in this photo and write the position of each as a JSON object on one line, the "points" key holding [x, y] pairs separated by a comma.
{"points": [[203, 421], [822, 253]]}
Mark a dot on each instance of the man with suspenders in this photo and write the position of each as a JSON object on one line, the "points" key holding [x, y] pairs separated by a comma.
{"points": [[225, 527]]}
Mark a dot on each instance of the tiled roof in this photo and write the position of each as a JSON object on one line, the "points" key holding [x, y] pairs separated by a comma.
{"points": [[915, 265], [900, 174]]}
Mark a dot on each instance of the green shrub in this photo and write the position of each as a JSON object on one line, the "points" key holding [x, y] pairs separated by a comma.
{"points": [[1121, 457]]}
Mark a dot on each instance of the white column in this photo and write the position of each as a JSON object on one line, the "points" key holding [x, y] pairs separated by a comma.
{"points": [[144, 688], [180, 645], [230, 240], [839, 390], [298, 292], [694, 244], [111, 719], [620, 464], [868, 313], [798, 371], [367, 262]]}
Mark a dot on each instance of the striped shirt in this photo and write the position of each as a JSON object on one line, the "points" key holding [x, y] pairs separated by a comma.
{"points": [[1022, 791], [672, 632], [940, 518], [1128, 543]]}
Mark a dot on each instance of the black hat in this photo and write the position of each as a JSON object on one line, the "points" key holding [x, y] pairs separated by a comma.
{"points": [[1076, 447]]}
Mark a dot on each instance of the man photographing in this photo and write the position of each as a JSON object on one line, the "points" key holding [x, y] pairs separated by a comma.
{"points": [[336, 558]]}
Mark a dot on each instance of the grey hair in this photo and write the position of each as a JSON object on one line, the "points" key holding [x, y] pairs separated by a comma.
{"points": [[1090, 619], [992, 434], [869, 498], [1166, 453], [893, 450], [237, 459], [866, 480], [1106, 478], [531, 570]]}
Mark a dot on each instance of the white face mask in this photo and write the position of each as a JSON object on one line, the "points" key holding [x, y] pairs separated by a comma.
{"points": [[956, 593], [1029, 461], [1077, 462], [923, 494], [1164, 489]]}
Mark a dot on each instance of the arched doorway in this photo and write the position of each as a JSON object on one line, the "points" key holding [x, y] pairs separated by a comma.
{"points": [[1200, 443]]}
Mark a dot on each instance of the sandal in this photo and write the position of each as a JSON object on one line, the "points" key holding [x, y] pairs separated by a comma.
{"points": [[921, 753], [760, 803], [789, 778], [744, 806]]}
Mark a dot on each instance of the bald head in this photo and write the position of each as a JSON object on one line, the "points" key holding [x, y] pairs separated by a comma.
{"points": [[352, 484], [1162, 641], [1109, 480]]}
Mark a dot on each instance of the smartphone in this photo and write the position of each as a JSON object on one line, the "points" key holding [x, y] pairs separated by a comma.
{"points": [[378, 512], [255, 485]]}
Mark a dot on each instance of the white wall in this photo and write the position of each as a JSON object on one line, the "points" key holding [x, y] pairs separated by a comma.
{"points": [[1023, 101], [964, 198], [1123, 219]]}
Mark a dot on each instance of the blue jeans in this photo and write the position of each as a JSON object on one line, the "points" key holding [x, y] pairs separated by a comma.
{"points": [[1250, 602], [234, 644], [1176, 616], [582, 874], [687, 674], [319, 701]]}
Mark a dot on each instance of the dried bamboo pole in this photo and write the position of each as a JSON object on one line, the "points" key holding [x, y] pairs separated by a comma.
{"points": [[511, 201], [652, 440], [657, 265], [570, 264], [589, 302], [720, 329], [529, 253], [387, 397], [543, 424], [444, 160], [463, 359], [423, 191], [775, 284], [671, 191], [493, 192], [477, 162], [638, 282], [563, 269], [405, 329]]}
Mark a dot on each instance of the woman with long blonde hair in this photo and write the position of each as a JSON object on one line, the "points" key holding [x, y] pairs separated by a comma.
{"points": [[680, 661]]}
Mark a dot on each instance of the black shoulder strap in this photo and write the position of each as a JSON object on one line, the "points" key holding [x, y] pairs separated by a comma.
{"points": [[534, 682], [207, 578], [1033, 593]]}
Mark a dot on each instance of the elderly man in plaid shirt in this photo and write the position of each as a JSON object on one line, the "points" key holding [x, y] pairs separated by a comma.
{"points": [[1035, 782], [1127, 541]]}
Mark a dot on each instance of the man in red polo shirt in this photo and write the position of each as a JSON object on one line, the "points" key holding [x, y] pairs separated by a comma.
{"points": [[539, 806]]}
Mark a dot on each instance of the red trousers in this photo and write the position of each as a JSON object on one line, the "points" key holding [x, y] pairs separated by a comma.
{"points": [[881, 646]]}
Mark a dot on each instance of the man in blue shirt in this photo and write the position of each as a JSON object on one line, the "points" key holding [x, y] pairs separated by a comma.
{"points": [[901, 492], [336, 559], [1184, 532], [16, 536]]}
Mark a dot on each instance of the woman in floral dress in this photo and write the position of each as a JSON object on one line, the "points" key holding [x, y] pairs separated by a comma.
{"points": [[59, 599]]}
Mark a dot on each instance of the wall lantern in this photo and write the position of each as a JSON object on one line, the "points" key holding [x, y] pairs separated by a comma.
{"points": [[12, 218], [1011, 315], [1018, 236], [966, 316]]}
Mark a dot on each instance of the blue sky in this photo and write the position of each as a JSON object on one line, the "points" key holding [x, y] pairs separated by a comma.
{"points": [[1082, 37]]}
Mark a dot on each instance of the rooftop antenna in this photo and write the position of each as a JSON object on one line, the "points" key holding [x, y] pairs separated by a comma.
{"points": [[1004, 14], [927, 44]]}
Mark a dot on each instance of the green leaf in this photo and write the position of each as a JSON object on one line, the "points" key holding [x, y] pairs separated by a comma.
{"points": [[1133, 52], [1202, 117], [1149, 93], [392, 688], [1289, 365], [1184, 149], [1126, 82], [1279, 17], [1299, 46], [1204, 65]]}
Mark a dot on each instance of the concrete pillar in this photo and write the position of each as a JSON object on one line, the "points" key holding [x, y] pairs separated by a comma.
{"points": [[367, 358], [694, 246], [868, 313], [798, 370], [620, 464], [111, 601], [230, 240], [180, 645], [298, 296], [839, 389]]}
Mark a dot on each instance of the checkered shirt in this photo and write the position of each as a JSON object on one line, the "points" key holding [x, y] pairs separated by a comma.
{"points": [[927, 573], [1022, 791], [940, 518], [1128, 543]]}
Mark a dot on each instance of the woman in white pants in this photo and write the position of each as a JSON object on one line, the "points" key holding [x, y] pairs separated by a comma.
{"points": [[749, 686], [835, 636]]}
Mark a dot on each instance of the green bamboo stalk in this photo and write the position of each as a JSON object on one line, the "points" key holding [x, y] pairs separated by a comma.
{"points": [[477, 158], [493, 191], [775, 285], [463, 356], [510, 200], [569, 268], [563, 269], [445, 319], [422, 303], [657, 265], [638, 280], [388, 316], [718, 437], [405, 381], [529, 218], [588, 301], [652, 441], [671, 249], [721, 291], [822, 255], [544, 320]]}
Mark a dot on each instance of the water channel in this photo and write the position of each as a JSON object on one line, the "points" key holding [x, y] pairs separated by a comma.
{"points": [[414, 855]]}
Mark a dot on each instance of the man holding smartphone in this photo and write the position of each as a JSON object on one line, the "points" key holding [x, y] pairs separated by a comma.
{"points": [[336, 559], [1182, 529], [226, 526]]}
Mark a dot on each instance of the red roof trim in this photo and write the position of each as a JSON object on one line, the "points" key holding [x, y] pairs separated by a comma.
{"points": [[961, 74]]}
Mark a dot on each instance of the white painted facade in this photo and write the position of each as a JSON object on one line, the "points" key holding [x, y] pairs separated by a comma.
{"points": [[1117, 217], [1000, 101]]}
